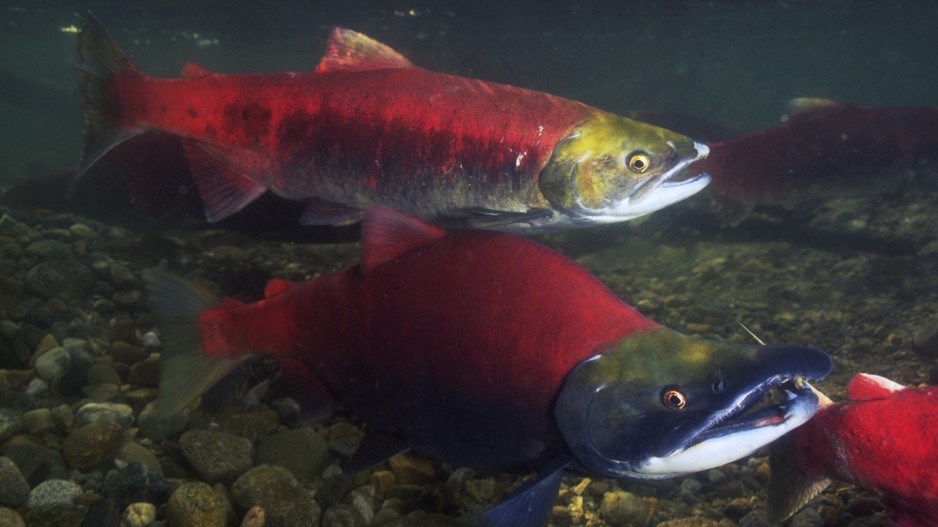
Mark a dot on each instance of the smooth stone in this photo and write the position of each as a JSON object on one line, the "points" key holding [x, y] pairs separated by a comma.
{"points": [[410, 469], [139, 515], [620, 507], [11, 423], [63, 417], [157, 426], [301, 451], [14, 489], [9, 226], [145, 373], [36, 388], [344, 439], [118, 413], [38, 420], [279, 493], [343, 515], [11, 518], [363, 501], [89, 446], [925, 339], [252, 425], [254, 517], [72, 381], [35, 462], [133, 452], [53, 492], [217, 456], [82, 230], [65, 279], [58, 515], [123, 277], [126, 353], [755, 518], [807, 517], [123, 330], [196, 504], [53, 363], [48, 249], [135, 483], [101, 373], [104, 511]]}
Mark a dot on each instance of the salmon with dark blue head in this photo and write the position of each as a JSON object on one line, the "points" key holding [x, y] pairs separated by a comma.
{"points": [[484, 349]]}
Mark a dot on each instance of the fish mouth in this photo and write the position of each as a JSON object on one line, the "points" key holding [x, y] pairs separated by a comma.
{"points": [[657, 192], [740, 430]]}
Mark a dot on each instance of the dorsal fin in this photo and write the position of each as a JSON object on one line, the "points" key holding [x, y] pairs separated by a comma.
{"points": [[867, 387], [276, 287], [349, 50], [194, 70], [804, 105], [388, 234]]}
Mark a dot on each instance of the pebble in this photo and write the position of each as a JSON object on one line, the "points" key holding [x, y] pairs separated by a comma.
{"points": [[38, 420], [118, 413], [64, 279], [620, 507], [925, 339], [343, 515], [133, 452], [217, 456], [410, 469], [11, 518], [89, 446], [48, 250], [157, 426], [145, 373], [35, 462], [695, 521], [807, 517], [135, 483], [139, 515], [196, 504], [252, 425], [53, 492], [53, 363], [301, 451], [101, 373], [14, 489], [10, 423], [344, 439], [737, 508], [279, 493], [254, 517]]}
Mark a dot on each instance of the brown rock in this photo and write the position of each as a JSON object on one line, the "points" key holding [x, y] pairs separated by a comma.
{"points": [[91, 445], [410, 469]]}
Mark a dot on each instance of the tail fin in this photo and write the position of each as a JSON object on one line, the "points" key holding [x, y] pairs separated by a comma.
{"points": [[186, 371], [99, 60]]}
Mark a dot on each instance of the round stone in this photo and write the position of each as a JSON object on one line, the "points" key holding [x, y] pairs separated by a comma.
{"points": [[53, 363], [196, 504], [118, 413], [217, 456], [14, 489], [139, 515], [65, 279], [53, 492], [93, 444], [279, 494]]}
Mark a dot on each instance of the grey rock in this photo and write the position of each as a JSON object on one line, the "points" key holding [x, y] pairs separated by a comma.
{"points": [[157, 426], [252, 425], [363, 501], [92, 444], [217, 456], [63, 417], [123, 277], [133, 452], [53, 363], [53, 492], [135, 483], [65, 279], [48, 249], [285, 502], [10, 423], [196, 504], [145, 373], [35, 462], [343, 515], [925, 339], [13, 228], [102, 373], [37, 388], [104, 511], [807, 517], [301, 451], [14, 489], [58, 515], [82, 230], [755, 518], [118, 413]]}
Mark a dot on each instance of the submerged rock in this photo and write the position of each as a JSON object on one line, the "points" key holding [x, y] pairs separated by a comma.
{"points": [[217, 456], [196, 504], [14, 489], [285, 502]]}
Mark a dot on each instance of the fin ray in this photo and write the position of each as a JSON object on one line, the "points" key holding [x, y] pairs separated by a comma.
{"points": [[223, 191], [531, 504], [349, 50], [388, 234]]}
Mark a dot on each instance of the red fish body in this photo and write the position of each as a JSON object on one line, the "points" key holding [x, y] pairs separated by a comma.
{"points": [[492, 351], [824, 146], [368, 128], [883, 440]]}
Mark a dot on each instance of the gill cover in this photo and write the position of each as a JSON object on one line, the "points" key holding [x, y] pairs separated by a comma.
{"points": [[661, 404], [612, 168]]}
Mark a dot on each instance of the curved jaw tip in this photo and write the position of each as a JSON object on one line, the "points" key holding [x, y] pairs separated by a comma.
{"points": [[738, 434]]}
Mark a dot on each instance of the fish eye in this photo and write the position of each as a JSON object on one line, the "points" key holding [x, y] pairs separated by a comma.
{"points": [[673, 399], [639, 162]]}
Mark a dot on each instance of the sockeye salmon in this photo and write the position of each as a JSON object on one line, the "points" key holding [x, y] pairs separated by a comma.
{"points": [[487, 350], [883, 440], [368, 128]]}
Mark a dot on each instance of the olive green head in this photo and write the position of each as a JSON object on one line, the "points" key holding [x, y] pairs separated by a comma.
{"points": [[612, 169]]}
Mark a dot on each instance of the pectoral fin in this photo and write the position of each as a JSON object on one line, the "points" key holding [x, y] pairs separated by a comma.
{"points": [[223, 191], [530, 505], [375, 448], [480, 218]]}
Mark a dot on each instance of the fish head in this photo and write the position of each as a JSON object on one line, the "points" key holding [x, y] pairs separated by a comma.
{"points": [[661, 404], [612, 169]]}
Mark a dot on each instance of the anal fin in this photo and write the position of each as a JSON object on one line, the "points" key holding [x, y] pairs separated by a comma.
{"points": [[223, 191], [530, 505], [480, 218]]}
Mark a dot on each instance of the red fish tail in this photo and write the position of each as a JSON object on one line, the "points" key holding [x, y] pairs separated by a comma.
{"points": [[99, 62], [186, 370]]}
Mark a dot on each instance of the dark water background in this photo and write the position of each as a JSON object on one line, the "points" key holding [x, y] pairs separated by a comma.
{"points": [[733, 63]]}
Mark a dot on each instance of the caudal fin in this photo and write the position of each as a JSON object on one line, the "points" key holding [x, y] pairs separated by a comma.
{"points": [[99, 60], [186, 372]]}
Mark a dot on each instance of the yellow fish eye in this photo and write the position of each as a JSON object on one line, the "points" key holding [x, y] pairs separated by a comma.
{"points": [[673, 399], [639, 162]]}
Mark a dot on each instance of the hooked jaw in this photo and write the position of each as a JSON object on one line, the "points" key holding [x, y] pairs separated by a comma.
{"points": [[660, 404]]}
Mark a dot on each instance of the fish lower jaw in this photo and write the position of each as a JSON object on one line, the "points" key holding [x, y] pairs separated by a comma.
{"points": [[664, 194], [726, 443]]}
